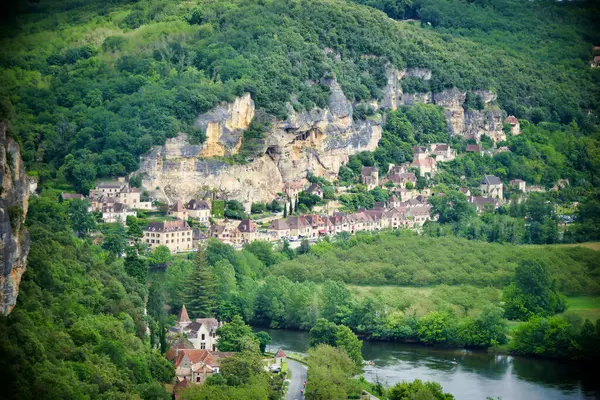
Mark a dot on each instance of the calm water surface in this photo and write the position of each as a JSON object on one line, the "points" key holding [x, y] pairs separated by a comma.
{"points": [[476, 376]]}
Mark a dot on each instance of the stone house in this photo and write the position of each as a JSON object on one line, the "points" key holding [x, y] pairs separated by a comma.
{"points": [[515, 126], [443, 152], [398, 169], [280, 356], [177, 210], [196, 365], [201, 333], [199, 210], [120, 190], [223, 233], [420, 214], [315, 189], [393, 202], [466, 191], [519, 184], [491, 186], [176, 235], [400, 180], [116, 212], [422, 161], [293, 188], [474, 148], [72, 196], [278, 229], [246, 232], [483, 203], [369, 176], [299, 227]]}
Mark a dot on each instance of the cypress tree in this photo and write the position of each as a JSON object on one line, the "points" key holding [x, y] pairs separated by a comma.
{"points": [[291, 207], [285, 211], [201, 288]]}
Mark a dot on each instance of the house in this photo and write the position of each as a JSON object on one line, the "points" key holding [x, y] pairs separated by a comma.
{"points": [[474, 148], [112, 189], [315, 189], [246, 231], [483, 203], [502, 149], [278, 229], [116, 212], [280, 356], [177, 210], [179, 387], [222, 232], [422, 161], [176, 235], [596, 62], [369, 176], [491, 186], [130, 196], [443, 152], [393, 202], [519, 184], [420, 214], [299, 227], [400, 180], [196, 365], [120, 190], [515, 126], [199, 210], [292, 189], [466, 191], [198, 237], [398, 169], [201, 333]]}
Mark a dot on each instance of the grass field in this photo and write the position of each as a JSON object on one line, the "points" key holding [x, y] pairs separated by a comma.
{"points": [[585, 306]]}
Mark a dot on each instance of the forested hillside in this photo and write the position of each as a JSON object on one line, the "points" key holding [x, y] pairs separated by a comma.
{"points": [[95, 85]]}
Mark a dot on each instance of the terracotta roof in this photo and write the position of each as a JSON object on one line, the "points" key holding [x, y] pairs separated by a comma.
{"points": [[178, 207], [247, 225], [473, 148], [296, 222], [280, 354], [441, 147], [368, 170], [511, 119]]}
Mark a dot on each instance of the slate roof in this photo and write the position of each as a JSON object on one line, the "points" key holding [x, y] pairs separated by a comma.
{"points": [[491, 180], [246, 226], [313, 188], [198, 205]]}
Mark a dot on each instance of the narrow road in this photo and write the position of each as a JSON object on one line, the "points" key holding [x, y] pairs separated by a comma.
{"points": [[297, 383]]}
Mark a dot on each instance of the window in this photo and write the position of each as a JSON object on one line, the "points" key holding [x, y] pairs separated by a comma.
{"points": [[202, 346], [203, 336], [197, 379]]}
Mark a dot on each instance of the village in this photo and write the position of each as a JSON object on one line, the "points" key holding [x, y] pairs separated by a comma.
{"points": [[182, 226]]}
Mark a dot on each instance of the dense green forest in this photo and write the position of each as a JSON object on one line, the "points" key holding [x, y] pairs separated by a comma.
{"points": [[95, 85], [78, 330]]}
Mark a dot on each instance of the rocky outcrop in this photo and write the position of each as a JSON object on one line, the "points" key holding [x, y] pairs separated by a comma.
{"points": [[224, 126], [317, 141], [14, 198], [470, 123]]}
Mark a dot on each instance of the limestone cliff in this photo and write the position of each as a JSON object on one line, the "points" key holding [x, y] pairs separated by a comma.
{"points": [[317, 141], [468, 123], [14, 197]]}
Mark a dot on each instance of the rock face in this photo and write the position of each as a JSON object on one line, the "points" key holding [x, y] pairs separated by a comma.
{"points": [[14, 198], [224, 126], [317, 141], [469, 123]]}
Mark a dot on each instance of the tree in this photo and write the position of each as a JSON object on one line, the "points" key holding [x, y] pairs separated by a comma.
{"points": [[133, 228], [135, 266], [115, 239], [82, 221], [330, 372], [325, 332], [418, 390], [486, 329], [263, 340], [161, 256], [236, 336], [335, 296], [304, 246], [532, 292], [452, 207], [437, 327], [201, 288]]}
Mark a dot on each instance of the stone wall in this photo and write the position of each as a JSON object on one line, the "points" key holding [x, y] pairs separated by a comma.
{"points": [[14, 239]]}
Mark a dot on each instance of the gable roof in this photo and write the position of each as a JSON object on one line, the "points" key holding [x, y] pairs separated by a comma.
{"points": [[278, 225], [71, 196], [491, 180], [473, 147], [198, 205], [183, 315], [178, 207], [280, 354], [368, 170], [246, 225], [511, 119], [315, 187]]}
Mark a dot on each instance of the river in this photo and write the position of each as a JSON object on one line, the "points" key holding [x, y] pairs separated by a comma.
{"points": [[476, 375]]}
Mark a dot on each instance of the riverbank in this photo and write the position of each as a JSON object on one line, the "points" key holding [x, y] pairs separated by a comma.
{"points": [[477, 375]]}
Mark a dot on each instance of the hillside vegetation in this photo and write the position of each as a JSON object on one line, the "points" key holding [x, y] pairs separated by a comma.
{"points": [[94, 85], [407, 259]]}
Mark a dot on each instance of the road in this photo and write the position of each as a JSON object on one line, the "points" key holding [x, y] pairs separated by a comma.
{"points": [[297, 383]]}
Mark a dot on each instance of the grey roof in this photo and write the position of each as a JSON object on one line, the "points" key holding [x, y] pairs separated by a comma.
{"points": [[491, 180], [198, 205], [278, 225], [313, 188]]}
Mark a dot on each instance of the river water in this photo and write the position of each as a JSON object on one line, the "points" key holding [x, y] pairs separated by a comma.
{"points": [[476, 375]]}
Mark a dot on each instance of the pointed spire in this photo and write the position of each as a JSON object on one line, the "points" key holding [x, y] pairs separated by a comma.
{"points": [[183, 315]]}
